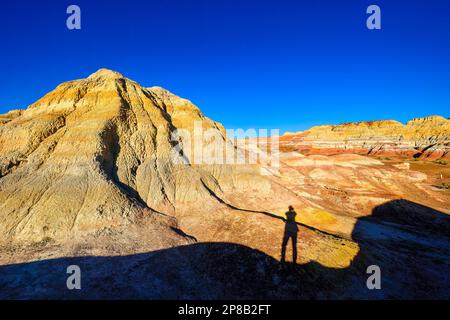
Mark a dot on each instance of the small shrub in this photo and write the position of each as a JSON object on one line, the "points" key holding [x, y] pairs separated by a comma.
{"points": [[442, 162]]}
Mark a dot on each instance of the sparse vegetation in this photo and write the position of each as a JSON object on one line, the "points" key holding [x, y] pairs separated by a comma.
{"points": [[446, 186], [384, 158], [442, 162], [42, 243]]}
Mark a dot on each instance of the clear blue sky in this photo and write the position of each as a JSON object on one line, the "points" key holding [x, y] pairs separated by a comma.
{"points": [[246, 63]]}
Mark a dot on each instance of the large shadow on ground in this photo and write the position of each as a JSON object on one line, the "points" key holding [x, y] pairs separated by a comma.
{"points": [[409, 242]]}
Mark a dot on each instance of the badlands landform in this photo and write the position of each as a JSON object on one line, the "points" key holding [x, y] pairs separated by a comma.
{"points": [[87, 177]]}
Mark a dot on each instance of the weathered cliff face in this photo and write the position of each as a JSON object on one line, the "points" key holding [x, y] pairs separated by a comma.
{"points": [[424, 138], [89, 170]]}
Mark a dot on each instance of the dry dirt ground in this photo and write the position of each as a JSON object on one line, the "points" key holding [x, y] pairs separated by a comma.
{"points": [[234, 252]]}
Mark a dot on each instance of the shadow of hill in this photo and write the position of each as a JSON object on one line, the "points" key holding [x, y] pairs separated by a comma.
{"points": [[196, 271], [411, 244], [414, 259]]}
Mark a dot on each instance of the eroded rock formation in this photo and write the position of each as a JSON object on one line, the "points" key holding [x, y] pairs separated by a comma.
{"points": [[88, 172], [421, 138]]}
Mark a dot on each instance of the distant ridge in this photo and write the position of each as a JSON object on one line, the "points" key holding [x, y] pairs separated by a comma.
{"points": [[424, 138]]}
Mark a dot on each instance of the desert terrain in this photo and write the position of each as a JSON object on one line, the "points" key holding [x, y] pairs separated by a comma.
{"points": [[88, 177]]}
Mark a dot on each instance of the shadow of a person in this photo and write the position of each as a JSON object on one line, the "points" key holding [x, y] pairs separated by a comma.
{"points": [[290, 232]]}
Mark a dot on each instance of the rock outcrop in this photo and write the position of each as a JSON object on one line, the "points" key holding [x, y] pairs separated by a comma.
{"points": [[421, 138], [7, 117]]}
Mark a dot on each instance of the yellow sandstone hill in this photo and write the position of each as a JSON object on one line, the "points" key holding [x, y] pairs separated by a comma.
{"points": [[424, 138], [92, 154]]}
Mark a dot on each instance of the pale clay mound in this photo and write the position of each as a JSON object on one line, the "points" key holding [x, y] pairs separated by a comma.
{"points": [[87, 171]]}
